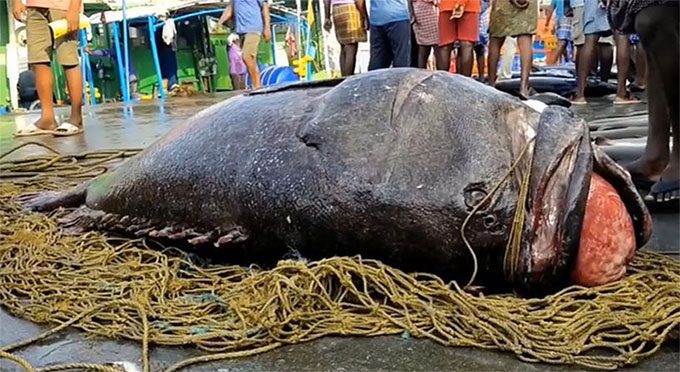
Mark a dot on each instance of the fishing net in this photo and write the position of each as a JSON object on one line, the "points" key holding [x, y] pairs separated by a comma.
{"points": [[123, 288]]}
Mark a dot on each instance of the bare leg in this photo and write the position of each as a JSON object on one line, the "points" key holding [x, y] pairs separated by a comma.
{"points": [[640, 66], [444, 57], [526, 54], [74, 80], [495, 44], [561, 51], [606, 61], [658, 28], [423, 55], [349, 55], [623, 63], [585, 58], [342, 60], [44, 81], [479, 53], [251, 65], [465, 58]]}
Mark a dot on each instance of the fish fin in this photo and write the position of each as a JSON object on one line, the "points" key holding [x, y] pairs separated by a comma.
{"points": [[51, 200]]}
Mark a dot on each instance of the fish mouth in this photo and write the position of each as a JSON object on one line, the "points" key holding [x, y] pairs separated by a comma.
{"points": [[554, 243]]}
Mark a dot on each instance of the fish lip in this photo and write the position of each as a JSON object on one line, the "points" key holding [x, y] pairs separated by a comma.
{"points": [[559, 181], [564, 160]]}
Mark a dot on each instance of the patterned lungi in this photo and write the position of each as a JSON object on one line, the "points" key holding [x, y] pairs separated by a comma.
{"points": [[426, 26], [563, 29], [348, 26]]}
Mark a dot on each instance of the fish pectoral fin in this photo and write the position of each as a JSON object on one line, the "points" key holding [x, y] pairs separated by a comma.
{"points": [[51, 200]]}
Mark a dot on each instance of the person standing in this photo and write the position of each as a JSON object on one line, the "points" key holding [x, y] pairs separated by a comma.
{"points": [[458, 22], [425, 18], [37, 14], [483, 40], [513, 18], [657, 23], [562, 32], [252, 22], [237, 69], [390, 38], [351, 23], [595, 25]]}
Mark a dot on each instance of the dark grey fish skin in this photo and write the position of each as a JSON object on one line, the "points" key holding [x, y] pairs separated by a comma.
{"points": [[387, 164]]}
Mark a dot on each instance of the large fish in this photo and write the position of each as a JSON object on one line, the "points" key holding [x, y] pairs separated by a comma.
{"points": [[426, 171]]}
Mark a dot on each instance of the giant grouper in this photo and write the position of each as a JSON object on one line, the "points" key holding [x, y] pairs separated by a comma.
{"points": [[425, 171]]}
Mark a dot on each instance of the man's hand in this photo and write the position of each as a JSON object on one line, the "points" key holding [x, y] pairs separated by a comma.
{"points": [[73, 18], [19, 11], [267, 34], [328, 24], [413, 19], [367, 24]]}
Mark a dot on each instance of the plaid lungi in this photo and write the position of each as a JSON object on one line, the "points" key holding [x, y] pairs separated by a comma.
{"points": [[426, 27], [348, 26], [563, 29]]}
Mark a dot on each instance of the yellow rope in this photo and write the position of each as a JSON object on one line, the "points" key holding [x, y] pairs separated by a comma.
{"points": [[120, 288]]}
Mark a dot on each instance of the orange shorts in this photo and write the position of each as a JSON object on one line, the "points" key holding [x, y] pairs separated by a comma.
{"points": [[465, 28]]}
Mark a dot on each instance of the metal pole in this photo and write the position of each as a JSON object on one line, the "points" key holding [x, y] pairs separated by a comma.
{"points": [[324, 36], [126, 52], [83, 70], [87, 67], [273, 27], [119, 61], [299, 28], [154, 53]]}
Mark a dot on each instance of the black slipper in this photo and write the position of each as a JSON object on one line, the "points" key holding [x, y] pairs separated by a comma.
{"points": [[665, 191]]}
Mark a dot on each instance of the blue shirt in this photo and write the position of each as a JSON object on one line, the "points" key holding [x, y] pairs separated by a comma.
{"points": [[248, 16], [388, 11], [559, 8]]}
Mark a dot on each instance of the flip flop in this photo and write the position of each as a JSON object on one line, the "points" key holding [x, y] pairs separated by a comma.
{"points": [[665, 191], [31, 130], [578, 103], [66, 129], [628, 101]]}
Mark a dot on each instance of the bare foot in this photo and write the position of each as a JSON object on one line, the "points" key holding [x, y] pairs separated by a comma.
{"points": [[645, 172], [46, 123], [579, 101]]}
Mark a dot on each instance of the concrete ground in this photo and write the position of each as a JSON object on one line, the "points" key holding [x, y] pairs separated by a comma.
{"points": [[135, 126]]}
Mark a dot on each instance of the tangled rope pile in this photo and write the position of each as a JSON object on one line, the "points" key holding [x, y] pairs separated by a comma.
{"points": [[120, 288]]}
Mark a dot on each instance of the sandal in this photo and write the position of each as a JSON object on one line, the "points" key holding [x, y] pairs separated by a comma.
{"points": [[629, 100], [31, 130], [665, 191], [66, 129]]}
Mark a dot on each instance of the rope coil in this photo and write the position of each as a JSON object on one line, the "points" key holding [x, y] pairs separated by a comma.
{"points": [[114, 287]]}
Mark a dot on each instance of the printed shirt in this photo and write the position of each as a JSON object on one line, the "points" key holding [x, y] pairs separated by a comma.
{"points": [[388, 11], [51, 4], [248, 16], [470, 6]]}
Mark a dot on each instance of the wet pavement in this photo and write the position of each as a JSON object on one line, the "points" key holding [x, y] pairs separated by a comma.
{"points": [[137, 125]]}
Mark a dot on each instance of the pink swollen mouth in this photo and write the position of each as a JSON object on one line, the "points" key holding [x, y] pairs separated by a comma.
{"points": [[607, 242]]}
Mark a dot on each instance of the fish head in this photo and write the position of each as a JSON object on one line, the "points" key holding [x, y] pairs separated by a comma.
{"points": [[582, 213]]}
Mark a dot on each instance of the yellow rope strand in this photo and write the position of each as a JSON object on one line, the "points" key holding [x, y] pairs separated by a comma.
{"points": [[118, 288]]}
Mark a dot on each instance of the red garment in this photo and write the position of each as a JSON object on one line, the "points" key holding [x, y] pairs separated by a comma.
{"points": [[472, 6]]}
